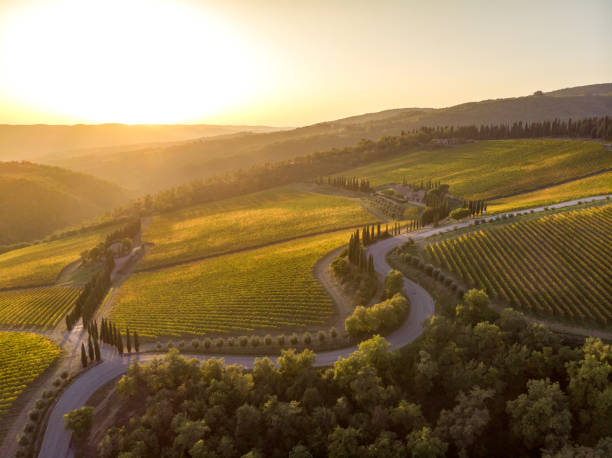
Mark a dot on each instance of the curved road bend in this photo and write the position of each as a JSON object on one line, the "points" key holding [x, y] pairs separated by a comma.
{"points": [[56, 443]]}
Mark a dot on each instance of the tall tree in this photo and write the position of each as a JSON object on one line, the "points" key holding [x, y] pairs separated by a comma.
{"points": [[128, 340], [83, 355], [136, 342]]}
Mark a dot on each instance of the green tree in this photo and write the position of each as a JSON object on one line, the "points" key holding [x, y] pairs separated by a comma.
{"points": [[79, 421], [83, 355], [128, 340], [422, 443], [540, 417], [90, 349], [393, 284], [136, 342]]}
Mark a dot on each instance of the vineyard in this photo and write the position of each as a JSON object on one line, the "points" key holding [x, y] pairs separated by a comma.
{"points": [[247, 221], [555, 265], [42, 307], [590, 186], [271, 287], [42, 263], [22, 359], [487, 169]]}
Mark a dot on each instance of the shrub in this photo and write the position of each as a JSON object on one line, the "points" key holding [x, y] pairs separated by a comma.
{"points": [[170, 345], [244, 340], [306, 338], [255, 341], [29, 427], [64, 375], [219, 342], [321, 336], [378, 318], [280, 340], [47, 394], [394, 283], [40, 404], [195, 343], [159, 345], [267, 340], [340, 268], [333, 333], [448, 281], [293, 339], [57, 382], [429, 269], [34, 415], [231, 342], [23, 440], [181, 344], [207, 343], [460, 213]]}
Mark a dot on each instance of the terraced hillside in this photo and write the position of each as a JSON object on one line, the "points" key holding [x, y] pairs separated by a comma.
{"points": [[22, 359], [270, 287], [42, 263], [494, 168], [557, 265], [42, 307], [243, 222]]}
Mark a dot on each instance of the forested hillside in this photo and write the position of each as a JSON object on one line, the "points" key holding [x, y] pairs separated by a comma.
{"points": [[160, 167], [36, 200]]}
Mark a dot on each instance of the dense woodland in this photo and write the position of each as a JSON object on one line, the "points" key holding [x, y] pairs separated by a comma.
{"points": [[475, 384]]}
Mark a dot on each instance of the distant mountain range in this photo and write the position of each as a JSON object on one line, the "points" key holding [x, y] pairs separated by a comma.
{"points": [[150, 168]]}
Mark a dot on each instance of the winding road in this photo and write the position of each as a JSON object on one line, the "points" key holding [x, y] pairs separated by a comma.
{"points": [[56, 442]]}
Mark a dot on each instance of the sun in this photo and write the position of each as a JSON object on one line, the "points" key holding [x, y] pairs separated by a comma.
{"points": [[131, 61]]}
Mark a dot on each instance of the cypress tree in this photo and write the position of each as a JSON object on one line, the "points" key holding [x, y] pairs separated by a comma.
{"points": [[128, 341], [136, 343], [90, 349], [83, 356], [378, 231], [119, 344], [97, 350]]}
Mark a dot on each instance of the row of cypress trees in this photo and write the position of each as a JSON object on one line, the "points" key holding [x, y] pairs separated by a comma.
{"points": [[352, 183], [110, 334], [476, 207]]}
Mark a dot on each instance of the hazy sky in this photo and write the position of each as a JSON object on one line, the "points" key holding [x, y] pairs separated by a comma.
{"points": [[286, 62]]}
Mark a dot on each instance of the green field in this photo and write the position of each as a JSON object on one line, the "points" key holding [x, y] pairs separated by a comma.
{"points": [[43, 307], [247, 221], [22, 359], [270, 287], [41, 264], [555, 265], [590, 186], [487, 169]]}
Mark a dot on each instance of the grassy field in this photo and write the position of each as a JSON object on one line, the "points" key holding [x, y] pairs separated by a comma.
{"points": [[556, 265], [590, 186], [255, 219], [42, 263], [495, 168], [43, 307], [22, 359], [270, 287]]}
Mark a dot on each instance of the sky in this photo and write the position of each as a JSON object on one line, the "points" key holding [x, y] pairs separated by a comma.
{"points": [[286, 63]]}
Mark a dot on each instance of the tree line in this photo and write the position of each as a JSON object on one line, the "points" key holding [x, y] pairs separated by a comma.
{"points": [[596, 127], [475, 207], [351, 183]]}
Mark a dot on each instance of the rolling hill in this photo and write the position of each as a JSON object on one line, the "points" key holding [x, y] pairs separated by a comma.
{"points": [[153, 168], [36, 200]]}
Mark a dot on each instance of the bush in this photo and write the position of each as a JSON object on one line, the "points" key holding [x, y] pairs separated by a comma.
{"points": [[231, 342], [381, 317], [460, 213], [219, 342], [57, 382], [159, 345], [293, 339], [23, 440], [448, 281], [255, 341], [321, 336], [267, 340], [306, 338], [195, 343], [243, 340], [34, 415], [40, 404], [333, 333], [207, 343], [64, 375], [280, 340], [170, 345], [181, 344], [29, 427], [429, 269], [340, 268], [47, 394], [394, 283]]}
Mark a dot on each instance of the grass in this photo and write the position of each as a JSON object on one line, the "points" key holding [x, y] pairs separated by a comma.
{"points": [[556, 265], [265, 288], [495, 168], [42, 263], [585, 187], [244, 222], [42, 307], [22, 359]]}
